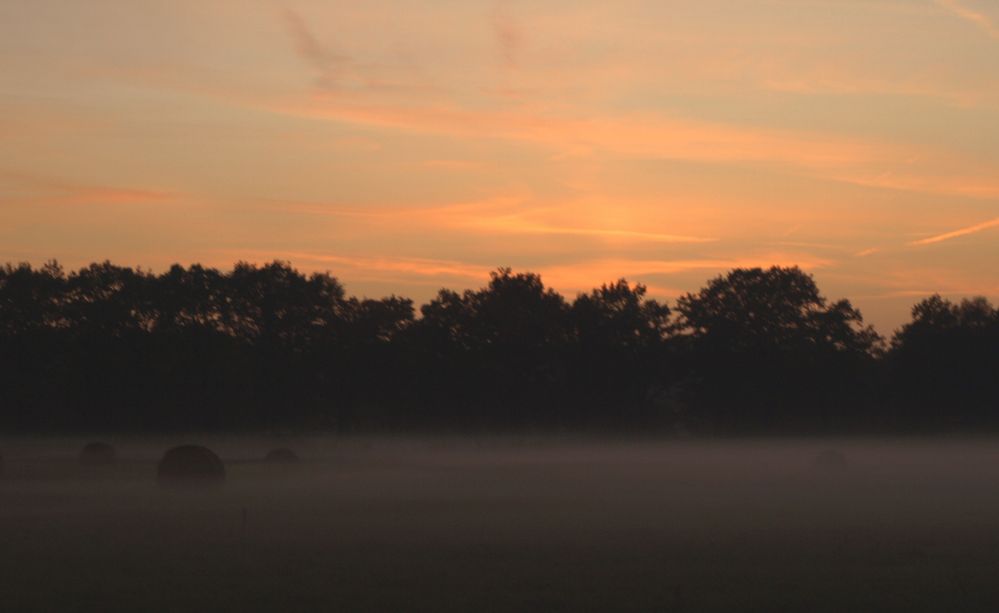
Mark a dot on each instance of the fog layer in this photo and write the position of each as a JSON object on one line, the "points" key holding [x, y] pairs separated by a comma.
{"points": [[506, 524]]}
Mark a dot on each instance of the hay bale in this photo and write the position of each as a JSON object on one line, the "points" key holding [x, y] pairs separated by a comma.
{"points": [[281, 456], [190, 465], [97, 454], [831, 460]]}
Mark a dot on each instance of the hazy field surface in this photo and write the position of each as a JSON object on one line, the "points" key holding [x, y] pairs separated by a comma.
{"points": [[506, 524]]}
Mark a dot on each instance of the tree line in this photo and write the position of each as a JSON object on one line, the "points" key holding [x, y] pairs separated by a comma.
{"points": [[267, 347]]}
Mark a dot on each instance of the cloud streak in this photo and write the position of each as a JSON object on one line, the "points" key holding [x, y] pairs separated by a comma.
{"points": [[329, 65], [931, 181], [507, 32], [635, 135], [596, 232], [499, 215], [946, 236], [981, 20], [59, 191], [355, 265]]}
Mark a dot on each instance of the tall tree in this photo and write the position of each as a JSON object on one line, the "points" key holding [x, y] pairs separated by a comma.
{"points": [[620, 358], [507, 341], [770, 350], [943, 364]]}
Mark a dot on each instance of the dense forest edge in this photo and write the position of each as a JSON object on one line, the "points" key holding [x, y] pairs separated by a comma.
{"points": [[755, 351]]}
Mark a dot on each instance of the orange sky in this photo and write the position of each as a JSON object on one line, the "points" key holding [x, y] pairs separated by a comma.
{"points": [[409, 146]]}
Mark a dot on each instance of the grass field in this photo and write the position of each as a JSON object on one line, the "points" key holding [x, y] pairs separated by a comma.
{"points": [[505, 524]]}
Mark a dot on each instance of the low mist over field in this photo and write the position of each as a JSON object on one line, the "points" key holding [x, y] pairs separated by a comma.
{"points": [[506, 524]]}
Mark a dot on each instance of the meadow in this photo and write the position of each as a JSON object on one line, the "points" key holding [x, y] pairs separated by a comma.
{"points": [[506, 524]]}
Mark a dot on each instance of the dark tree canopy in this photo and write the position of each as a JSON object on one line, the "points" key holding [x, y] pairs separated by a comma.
{"points": [[619, 316], [497, 350], [779, 309], [769, 349], [944, 363], [110, 347], [620, 353]]}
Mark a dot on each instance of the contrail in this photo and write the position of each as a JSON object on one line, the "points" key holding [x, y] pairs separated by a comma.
{"points": [[985, 225]]}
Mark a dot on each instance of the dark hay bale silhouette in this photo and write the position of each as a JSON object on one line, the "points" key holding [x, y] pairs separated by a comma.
{"points": [[97, 454], [281, 456], [832, 460], [190, 465]]}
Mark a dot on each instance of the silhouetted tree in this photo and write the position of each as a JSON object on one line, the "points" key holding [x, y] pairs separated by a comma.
{"points": [[504, 344], [769, 351], [620, 356], [266, 346], [33, 324], [370, 371], [943, 364]]}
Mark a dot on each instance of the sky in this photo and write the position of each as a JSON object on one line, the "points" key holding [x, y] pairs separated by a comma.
{"points": [[406, 145]]}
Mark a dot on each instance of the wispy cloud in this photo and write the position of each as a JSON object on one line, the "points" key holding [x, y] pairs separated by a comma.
{"points": [[455, 165], [40, 189], [330, 65], [983, 21], [340, 72], [596, 232], [519, 217], [930, 177], [946, 236], [369, 267], [508, 33], [642, 136], [852, 85], [497, 215]]}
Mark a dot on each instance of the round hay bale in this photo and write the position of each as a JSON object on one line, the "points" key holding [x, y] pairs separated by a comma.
{"points": [[831, 460], [281, 456], [190, 465], [97, 454]]}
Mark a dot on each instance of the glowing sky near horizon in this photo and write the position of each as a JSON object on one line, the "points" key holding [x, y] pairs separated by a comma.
{"points": [[408, 146]]}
